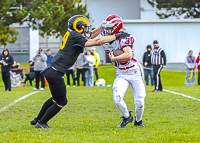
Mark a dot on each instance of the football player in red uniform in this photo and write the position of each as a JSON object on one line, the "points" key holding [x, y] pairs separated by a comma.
{"points": [[128, 71], [74, 40]]}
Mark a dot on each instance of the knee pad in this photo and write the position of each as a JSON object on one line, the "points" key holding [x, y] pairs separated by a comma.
{"points": [[139, 103], [117, 99], [62, 102]]}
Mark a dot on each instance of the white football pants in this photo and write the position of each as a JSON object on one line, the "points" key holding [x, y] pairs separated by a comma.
{"points": [[120, 86]]}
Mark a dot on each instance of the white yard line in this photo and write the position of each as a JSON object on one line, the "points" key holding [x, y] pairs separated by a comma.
{"points": [[184, 95], [17, 100]]}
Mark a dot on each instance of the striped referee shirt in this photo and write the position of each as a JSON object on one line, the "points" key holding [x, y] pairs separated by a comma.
{"points": [[158, 56]]}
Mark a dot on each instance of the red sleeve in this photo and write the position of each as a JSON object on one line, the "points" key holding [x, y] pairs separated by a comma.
{"points": [[197, 60]]}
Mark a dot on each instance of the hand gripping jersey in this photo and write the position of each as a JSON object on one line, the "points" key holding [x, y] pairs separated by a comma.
{"points": [[128, 40]]}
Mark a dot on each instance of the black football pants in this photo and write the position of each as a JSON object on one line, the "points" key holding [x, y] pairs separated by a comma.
{"points": [[157, 69], [57, 86]]}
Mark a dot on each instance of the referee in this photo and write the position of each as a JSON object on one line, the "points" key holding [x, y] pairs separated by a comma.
{"points": [[158, 60]]}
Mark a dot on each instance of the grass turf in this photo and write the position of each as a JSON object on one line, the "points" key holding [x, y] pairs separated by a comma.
{"points": [[91, 115]]}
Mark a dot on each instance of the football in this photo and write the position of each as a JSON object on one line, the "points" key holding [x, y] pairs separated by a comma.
{"points": [[118, 52]]}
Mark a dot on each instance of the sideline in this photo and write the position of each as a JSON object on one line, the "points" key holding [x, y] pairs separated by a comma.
{"points": [[17, 100], [184, 95]]}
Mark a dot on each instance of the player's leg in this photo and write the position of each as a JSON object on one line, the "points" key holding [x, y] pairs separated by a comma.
{"points": [[120, 86], [58, 91], [139, 93]]}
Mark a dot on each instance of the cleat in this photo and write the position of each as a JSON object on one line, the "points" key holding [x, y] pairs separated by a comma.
{"points": [[140, 123], [41, 125], [33, 121], [125, 121]]}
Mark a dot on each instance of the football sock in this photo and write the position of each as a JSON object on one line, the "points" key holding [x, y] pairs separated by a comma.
{"points": [[123, 108], [50, 113], [44, 108], [138, 113]]}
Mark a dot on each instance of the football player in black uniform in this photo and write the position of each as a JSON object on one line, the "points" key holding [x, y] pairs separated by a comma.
{"points": [[75, 39]]}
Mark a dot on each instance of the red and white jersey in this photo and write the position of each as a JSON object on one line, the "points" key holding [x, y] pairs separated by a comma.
{"points": [[120, 44]]}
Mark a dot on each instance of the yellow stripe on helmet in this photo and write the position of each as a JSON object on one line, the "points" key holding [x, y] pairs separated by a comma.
{"points": [[80, 19]]}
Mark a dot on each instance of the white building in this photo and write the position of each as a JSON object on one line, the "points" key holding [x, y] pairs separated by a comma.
{"points": [[176, 37]]}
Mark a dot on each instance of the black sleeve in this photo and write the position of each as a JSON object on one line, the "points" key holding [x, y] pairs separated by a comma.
{"points": [[146, 58], [163, 56], [79, 39], [11, 61]]}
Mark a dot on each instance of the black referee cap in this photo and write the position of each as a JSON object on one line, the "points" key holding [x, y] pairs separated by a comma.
{"points": [[155, 42]]}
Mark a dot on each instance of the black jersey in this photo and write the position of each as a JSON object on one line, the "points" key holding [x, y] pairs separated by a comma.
{"points": [[70, 48]]}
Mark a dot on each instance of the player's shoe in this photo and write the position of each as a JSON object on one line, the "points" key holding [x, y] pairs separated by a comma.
{"points": [[33, 121], [125, 121], [140, 123], [41, 125]]}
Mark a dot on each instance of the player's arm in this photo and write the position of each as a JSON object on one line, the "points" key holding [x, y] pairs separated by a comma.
{"points": [[100, 40], [127, 55], [96, 32]]}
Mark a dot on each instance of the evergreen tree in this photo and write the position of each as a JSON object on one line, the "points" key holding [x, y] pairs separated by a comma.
{"points": [[176, 8], [49, 16]]}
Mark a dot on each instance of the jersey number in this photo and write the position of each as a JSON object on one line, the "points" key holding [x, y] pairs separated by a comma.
{"points": [[64, 41], [129, 40]]}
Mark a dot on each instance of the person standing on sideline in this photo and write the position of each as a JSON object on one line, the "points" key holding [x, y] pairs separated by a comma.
{"points": [[158, 60], [97, 62], [80, 70], [89, 74], [6, 62], [49, 57], [39, 65], [75, 39], [190, 65], [198, 67], [148, 68]]}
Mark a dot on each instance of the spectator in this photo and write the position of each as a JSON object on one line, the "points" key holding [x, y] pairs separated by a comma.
{"points": [[39, 64], [31, 74], [198, 67], [6, 62], [148, 68], [16, 69], [89, 74], [49, 57], [158, 60], [96, 63], [71, 71], [80, 70], [190, 65]]}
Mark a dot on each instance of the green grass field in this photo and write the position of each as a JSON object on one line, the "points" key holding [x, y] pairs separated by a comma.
{"points": [[91, 115]]}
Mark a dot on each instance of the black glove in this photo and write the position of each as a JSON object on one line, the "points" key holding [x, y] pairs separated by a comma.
{"points": [[121, 35]]}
